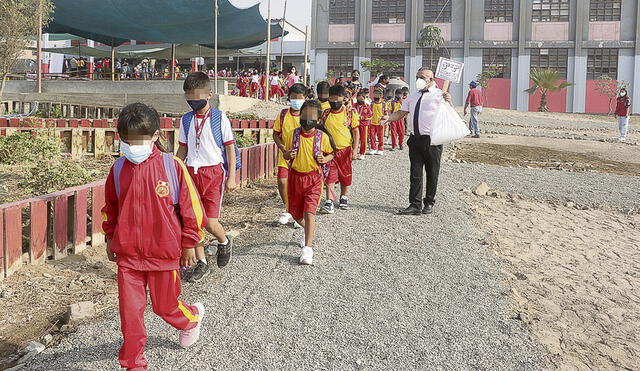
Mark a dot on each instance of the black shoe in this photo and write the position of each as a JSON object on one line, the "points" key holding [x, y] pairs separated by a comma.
{"points": [[476, 136], [428, 209], [344, 203], [401, 148], [201, 271], [224, 253], [411, 210], [185, 274]]}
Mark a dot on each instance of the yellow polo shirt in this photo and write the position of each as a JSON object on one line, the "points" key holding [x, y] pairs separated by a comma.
{"points": [[286, 128], [305, 160], [340, 129]]}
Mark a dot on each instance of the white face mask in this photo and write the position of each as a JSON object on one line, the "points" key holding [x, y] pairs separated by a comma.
{"points": [[622, 93], [421, 84], [136, 153]]}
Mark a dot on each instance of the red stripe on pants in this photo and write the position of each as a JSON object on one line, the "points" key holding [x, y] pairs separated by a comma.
{"points": [[397, 133], [164, 289], [364, 134], [376, 134]]}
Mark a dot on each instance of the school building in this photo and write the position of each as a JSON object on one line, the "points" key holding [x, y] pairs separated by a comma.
{"points": [[581, 39]]}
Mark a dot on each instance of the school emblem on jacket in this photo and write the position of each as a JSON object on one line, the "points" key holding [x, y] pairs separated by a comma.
{"points": [[162, 189]]}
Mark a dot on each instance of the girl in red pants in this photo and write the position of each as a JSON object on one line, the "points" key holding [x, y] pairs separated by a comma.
{"points": [[365, 113], [397, 127], [146, 236]]}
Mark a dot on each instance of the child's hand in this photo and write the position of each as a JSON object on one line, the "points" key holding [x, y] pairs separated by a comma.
{"points": [[230, 185], [322, 159], [354, 155], [188, 257], [384, 119], [290, 155], [110, 255]]}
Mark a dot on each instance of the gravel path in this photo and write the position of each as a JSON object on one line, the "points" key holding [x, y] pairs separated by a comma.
{"points": [[387, 292]]}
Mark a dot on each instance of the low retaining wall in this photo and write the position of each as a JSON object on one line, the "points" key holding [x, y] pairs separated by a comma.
{"points": [[105, 86], [52, 226]]}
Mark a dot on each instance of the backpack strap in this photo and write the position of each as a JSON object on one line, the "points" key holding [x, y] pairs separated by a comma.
{"points": [[317, 143], [216, 129], [117, 168], [325, 114], [170, 169], [283, 114], [186, 122], [295, 144]]}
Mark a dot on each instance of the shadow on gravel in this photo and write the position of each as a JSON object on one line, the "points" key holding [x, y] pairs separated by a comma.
{"points": [[379, 209]]}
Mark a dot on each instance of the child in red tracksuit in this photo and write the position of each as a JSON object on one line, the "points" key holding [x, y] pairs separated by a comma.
{"points": [[365, 113], [146, 236], [397, 127]]}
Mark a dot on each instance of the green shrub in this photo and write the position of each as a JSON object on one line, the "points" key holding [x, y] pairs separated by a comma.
{"points": [[245, 141], [242, 116], [52, 176], [22, 147]]}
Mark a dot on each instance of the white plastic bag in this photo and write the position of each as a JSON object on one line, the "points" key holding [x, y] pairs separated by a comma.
{"points": [[447, 126]]}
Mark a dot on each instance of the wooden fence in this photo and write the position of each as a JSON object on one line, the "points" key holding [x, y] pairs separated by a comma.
{"points": [[52, 226]]}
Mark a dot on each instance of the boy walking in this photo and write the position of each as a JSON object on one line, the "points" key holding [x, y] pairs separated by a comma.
{"points": [[342, 124], [207, 143], [376, 131], [365, 114]]}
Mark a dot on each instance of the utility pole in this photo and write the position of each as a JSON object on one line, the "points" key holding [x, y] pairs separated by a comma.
{"points": [[173, 64], [39, 46], [268, 64], [215, 47], [113, 63], [306, 53], [284, 16]]}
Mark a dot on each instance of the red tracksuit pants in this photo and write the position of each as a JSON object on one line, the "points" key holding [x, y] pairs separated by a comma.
{"points": [[397, 133], [164, 289], [376, 134], [364, 135]]}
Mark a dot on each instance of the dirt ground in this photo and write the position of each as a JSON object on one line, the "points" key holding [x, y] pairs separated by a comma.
{"points": [[575, 276], [37, 307]]}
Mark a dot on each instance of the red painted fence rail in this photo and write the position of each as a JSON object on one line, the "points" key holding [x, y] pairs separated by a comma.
{"points": [[55, 225], [165, 123]]}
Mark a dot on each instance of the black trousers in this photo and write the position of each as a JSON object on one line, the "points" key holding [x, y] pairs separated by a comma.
{"points": [[424, 158]]}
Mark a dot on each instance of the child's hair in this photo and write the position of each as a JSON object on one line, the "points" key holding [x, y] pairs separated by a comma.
{"points": [[337, 90], [322, 88], [298, 89], [313, 104], [405, 89], [378, 91], [398, 91], [138, 118], [362, 93], [196, 80], [383, 78]]}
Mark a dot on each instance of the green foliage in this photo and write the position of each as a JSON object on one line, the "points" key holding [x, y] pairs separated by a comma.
{"points": [[431, 37], [545, 80], [486, 75], [52, 176], [329, 74], [610, 88], [22, 147], [242, 116], [379, 66], [245, 140]]}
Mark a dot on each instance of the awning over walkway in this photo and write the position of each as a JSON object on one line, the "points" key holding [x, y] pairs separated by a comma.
{"points": [[170, 21], [161, 51]]}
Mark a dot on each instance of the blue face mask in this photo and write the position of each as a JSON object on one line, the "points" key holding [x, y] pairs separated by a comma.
{"points": [[296, 104], [137, 153]]}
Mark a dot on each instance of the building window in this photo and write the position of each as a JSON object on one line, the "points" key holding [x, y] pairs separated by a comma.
{"points": [[437, 11], [342, 11], [602, 62], [389, 11], [392, 55], [500, 59], [550, 11], [498, 11], [555, 59], [605, 10], [430, 57], [340, 62]]}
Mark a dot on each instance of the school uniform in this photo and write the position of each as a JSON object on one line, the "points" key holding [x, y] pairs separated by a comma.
{"points": [[325, 105], [365, 114], [204, 160], [339, 126], [255, 83], [285, 128], [147, 235], [275, 90], [376, 130], [305, 181], [397, 127]]}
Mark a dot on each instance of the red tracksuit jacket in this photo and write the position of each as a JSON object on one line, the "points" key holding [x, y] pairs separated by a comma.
{"points": [[145, 230]]}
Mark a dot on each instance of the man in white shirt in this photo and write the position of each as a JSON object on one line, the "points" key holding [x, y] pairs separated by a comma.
{"points": [[421, 108]]}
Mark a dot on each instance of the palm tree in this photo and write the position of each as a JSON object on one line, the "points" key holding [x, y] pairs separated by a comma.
{"points": [[546, 80]]}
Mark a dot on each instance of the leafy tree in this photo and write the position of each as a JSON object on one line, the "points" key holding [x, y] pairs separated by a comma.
{"points": [[545, 80], [431, 37], [483, 79], [329, 74], [379, 66], [18, 26], [610, 88]]}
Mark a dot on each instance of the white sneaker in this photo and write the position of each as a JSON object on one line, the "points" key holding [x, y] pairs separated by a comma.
{"points": [[622, 139], [189, 337], [284, 218], [327, 208], [303, 242], [373, 152], [306, 256], [296, 225], [379, 153], [361, 157]]}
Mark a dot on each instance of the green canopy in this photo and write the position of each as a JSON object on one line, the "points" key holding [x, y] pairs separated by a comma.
{"points": [[114, 22]]}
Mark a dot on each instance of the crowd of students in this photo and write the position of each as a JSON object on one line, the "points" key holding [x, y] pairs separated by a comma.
{"points": [[158, 206], [254, 83]]}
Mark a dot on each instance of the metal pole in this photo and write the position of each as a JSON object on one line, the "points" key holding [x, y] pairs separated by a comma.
{"points": [[113, 63], [173, 65], [284, 15], [306, 53], [39, 57], [215, 47], [268, 64]]}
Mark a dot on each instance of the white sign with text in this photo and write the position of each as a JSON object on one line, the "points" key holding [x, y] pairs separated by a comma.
{"points": [[449, 70]]}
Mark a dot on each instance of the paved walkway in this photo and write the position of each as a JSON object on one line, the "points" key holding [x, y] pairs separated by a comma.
{"points": [[386, 292]]}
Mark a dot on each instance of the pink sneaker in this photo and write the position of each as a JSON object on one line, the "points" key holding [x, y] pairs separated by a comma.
{"points": [[189, 337]]}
